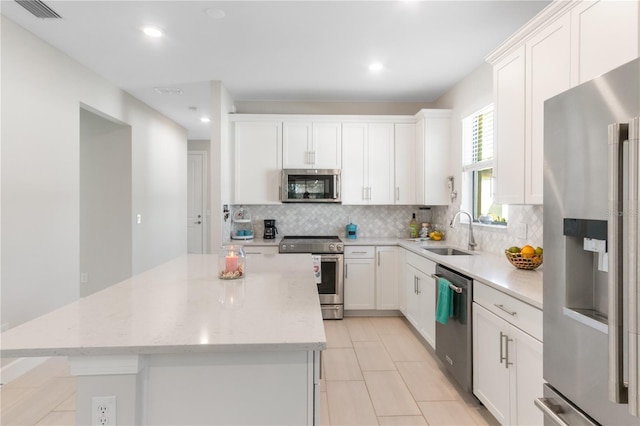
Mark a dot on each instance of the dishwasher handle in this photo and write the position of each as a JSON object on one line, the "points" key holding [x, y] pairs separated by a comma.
{"points": [[451, 286]]}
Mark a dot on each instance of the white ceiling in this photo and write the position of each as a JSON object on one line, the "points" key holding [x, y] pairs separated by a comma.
{"points": [[279, 50]]}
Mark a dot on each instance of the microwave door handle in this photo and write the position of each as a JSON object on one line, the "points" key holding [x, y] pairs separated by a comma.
{"points": [[336, 183], [615, 276]]}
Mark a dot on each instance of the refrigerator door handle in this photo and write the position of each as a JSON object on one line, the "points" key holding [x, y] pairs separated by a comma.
{"points": [[617, 390], [631, 259]]}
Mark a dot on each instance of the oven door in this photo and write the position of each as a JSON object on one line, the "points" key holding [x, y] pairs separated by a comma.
{"points": [[331, 284]]}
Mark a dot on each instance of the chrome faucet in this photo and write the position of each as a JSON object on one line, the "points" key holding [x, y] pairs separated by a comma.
{"points": [[472, 241]]}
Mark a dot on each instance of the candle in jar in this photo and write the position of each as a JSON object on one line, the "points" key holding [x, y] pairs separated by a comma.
{"points": [[231, 263]]}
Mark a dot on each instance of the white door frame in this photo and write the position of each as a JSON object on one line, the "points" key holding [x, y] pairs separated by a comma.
{"points": [[205, 198]]}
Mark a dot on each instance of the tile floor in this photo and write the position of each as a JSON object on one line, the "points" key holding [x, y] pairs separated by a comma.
{"points": [[375, 372]]}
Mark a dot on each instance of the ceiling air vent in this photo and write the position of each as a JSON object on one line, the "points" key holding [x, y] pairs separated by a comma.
{"points": [[38, 9]]}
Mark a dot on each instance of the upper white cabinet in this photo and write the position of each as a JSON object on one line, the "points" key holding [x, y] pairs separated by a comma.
{"points": [[257, 152], [432, 158], [368, 169], [509, 128], [405, 164], [311, 145], [548, 58], [566, 44], [604, 36]]}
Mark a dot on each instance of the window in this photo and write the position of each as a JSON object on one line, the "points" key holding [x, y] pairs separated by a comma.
{"points": [[477, 168]]}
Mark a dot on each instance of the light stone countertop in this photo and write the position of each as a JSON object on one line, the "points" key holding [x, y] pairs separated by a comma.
{"points": [[182, 307], [492, 269]]}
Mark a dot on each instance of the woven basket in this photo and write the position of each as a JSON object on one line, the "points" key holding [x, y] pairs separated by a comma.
{"points": [[520, 262]]}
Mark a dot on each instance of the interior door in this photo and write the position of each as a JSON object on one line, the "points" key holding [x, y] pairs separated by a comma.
{"points": [[195, 203]]}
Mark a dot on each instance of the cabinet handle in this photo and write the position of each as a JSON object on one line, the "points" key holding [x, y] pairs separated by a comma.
{"points": [[502, 308], [415, 285], [346, 271], [418, 285], [398, 193], [378, 258], [505, 357]]}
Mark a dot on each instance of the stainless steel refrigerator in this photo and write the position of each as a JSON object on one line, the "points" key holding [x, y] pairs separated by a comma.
{"points": [[592, 252]]}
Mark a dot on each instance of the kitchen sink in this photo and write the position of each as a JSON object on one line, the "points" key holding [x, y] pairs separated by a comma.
{"points": [[447, 251]]}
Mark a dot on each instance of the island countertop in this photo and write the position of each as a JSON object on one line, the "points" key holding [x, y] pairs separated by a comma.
{"points": [[182, 307]]}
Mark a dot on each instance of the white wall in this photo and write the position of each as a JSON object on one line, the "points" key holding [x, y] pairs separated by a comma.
{"points": [[346, 108], [105, 202], [42, 91]]}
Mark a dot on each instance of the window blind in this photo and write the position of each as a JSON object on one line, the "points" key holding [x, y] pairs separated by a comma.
{"points": [[480, 139]]}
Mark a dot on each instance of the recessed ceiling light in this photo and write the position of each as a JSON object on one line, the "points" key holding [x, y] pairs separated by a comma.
{"points": [[154, 32], [376, 66], [214, 13], [205, 119]]}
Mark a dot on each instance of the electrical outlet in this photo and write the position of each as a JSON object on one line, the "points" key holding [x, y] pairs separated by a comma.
{"points": [[103, 411]]}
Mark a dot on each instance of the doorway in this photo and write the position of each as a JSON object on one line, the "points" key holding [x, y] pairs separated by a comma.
{"points": [[105, 202], [196, 190]]}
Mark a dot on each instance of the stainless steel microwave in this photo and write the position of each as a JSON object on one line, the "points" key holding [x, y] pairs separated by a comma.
{"points": [[310, 186]]}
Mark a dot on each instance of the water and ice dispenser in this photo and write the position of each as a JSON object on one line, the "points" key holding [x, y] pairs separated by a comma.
{"points": [[586, 267]]}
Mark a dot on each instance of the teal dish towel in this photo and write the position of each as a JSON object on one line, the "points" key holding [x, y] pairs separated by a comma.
{"points": [[444, 310]]}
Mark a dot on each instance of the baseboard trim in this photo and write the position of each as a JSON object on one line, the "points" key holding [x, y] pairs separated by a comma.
{"points": [[18, 367]]}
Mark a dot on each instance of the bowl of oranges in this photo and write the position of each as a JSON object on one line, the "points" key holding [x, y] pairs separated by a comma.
{"points": [[525, 257]]}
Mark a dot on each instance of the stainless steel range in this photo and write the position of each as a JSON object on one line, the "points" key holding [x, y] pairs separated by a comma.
{"points": [[329, 258]]}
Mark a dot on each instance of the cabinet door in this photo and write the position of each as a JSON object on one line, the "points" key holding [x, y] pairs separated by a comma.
{"points": [[605, 36], [380, 164], [354, 141], [359, 284], [427, 318], [412, 297], [296, 145], [257, 151], [436, 150], [386, 277], [526, 378], [327, 146], [490, 376], [509, 127], [405, 164], [548, 74]]}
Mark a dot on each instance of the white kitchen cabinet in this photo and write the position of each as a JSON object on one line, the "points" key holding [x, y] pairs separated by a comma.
{"points": [[604, 36], [405, 164], [386, 277], [507, 360], [566, 44], [523, 80], [433, 142], [548, 58], [368, 163], [257, 162], [307, 145], [420, 294], [509, 127], [359, 278]]}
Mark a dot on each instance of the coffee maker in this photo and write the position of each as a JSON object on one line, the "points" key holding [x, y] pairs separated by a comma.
{"points": [[270, 229]]}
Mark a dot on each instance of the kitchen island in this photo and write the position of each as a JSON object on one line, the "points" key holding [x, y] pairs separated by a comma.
{"points": [[177, 345]]}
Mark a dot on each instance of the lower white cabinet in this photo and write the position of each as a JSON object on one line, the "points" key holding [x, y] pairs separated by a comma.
{"points": [[359, 278], [507, 361], [387, 277], [420, 295]]}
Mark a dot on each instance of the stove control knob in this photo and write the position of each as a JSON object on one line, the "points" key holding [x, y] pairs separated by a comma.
{"points": [[332, 247], [283, 247], [340, 248]]}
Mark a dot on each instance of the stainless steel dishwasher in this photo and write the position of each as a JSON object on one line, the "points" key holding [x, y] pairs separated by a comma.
{"points": [[453, 340]]}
